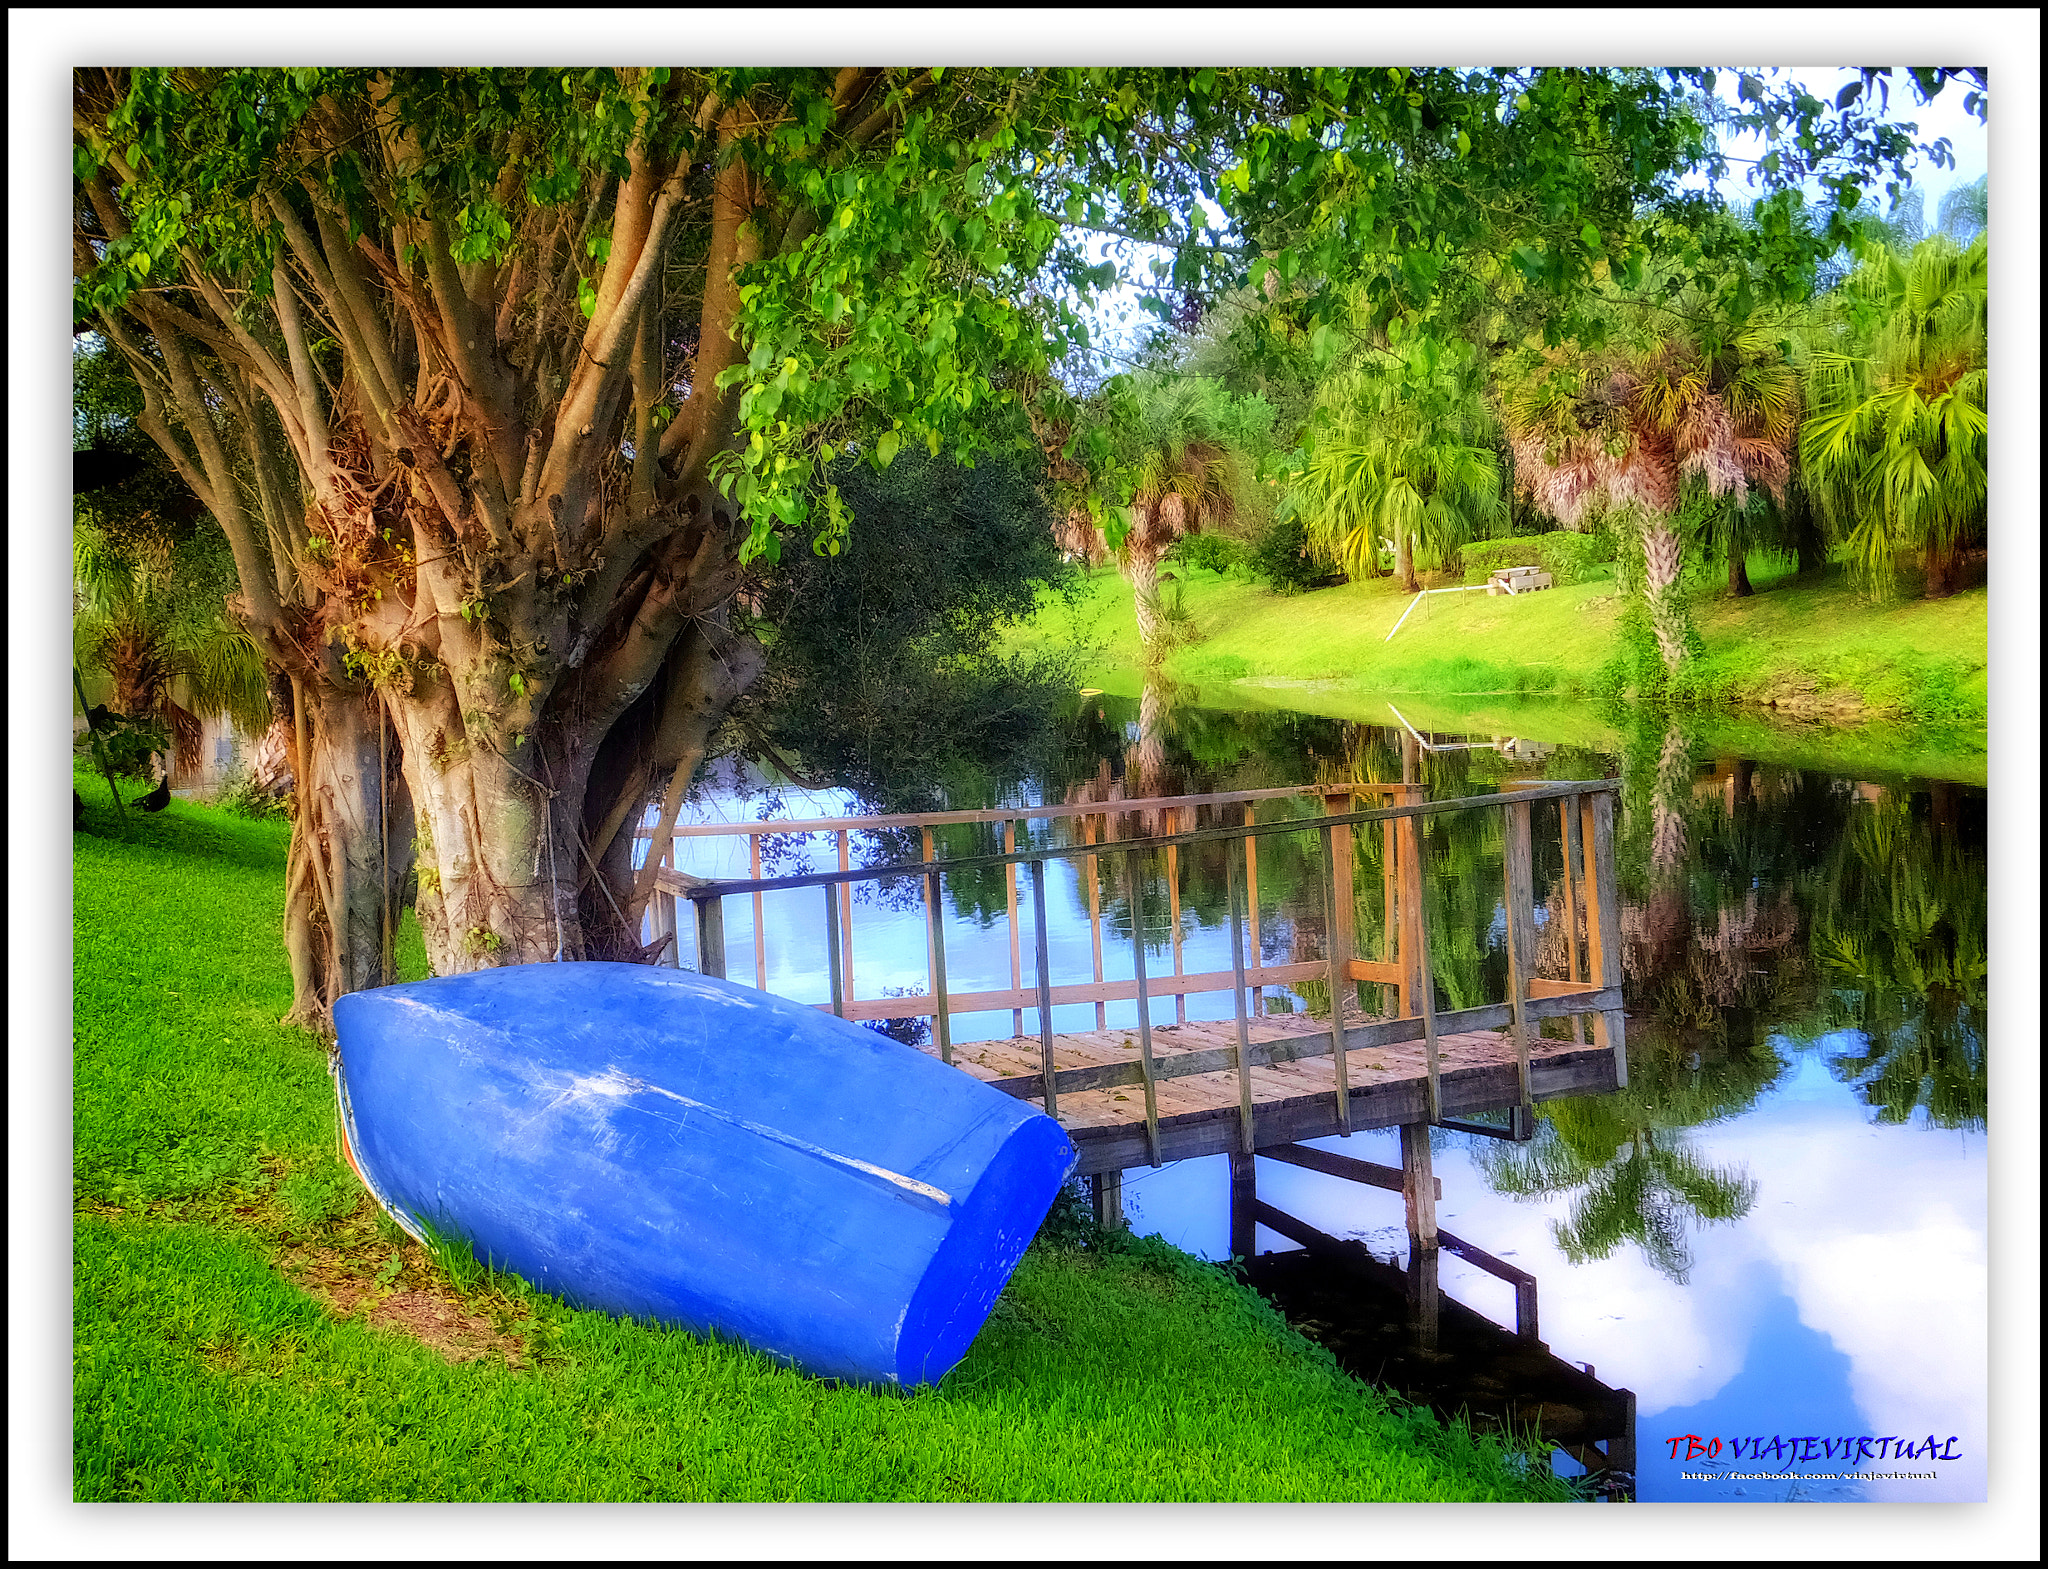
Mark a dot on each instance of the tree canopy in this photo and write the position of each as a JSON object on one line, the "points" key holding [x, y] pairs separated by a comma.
{"points": [[499, 383]]}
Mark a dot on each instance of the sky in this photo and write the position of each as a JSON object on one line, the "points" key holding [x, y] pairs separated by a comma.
{"points": [[44, 43]]}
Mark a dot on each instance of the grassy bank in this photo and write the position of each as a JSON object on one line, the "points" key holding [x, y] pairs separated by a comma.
{"points": [[1799, 650], [247, 1326]]}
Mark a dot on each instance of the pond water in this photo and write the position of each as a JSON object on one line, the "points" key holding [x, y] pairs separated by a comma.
{"points": [[1777, 1232]]}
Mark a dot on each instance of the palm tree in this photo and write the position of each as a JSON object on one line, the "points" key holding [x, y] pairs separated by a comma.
{"points": [[1405, 455], [1183, 447], [1686, 405], [173, 661], [1896, 442]]}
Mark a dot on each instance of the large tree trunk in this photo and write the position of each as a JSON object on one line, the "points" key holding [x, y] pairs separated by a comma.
{"points": [[1807, 538], [528, 842], [1143, 568], [351, 851], [1940, 563], [1738, 576], [1662, 564], [1404, 563]]}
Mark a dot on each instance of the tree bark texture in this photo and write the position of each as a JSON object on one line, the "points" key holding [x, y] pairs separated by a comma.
{"points": [[345, 871], [1738, 576], [1939, 561], [1662, 564], [1143, 567]]}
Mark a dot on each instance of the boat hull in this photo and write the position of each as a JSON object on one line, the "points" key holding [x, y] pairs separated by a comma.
{"points": [[663, 1145]]}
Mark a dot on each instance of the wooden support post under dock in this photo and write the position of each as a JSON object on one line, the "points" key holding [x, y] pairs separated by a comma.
{"points": [[1418, 1182], [1418, 1189], [1244, 1195], [1106, 1190]]}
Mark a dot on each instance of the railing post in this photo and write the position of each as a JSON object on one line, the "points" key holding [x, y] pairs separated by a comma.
{"points": [[1251, 883], [760, 928], [1603, 923], [1419, 980], [844, 947], [1244, 1045], [1180, 998], [1393, 996], [661, 922], [710, 935], [943, 1019], [1016, 945], [1343, 906], [1568, 838], [832, 948], [1044, 987], [1337, 977], [1089, 870], [1137, 886], [1521, 901]]}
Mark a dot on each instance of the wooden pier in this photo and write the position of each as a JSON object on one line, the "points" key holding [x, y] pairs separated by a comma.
{"points": [[1151, 1093], [1261, 1083]]}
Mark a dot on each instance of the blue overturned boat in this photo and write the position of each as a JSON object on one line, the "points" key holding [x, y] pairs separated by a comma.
{"points": [[664, 1145]]}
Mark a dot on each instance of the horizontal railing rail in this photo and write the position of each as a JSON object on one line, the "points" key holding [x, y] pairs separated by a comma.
{"points": [[999, 814], [703, 888], [1586, 822]]}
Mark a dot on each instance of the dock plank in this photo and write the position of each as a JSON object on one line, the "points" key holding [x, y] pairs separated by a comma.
{"points": [[1292, 1100]]}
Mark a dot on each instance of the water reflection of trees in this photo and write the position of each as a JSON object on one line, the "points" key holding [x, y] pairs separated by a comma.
{"points": [[1757, 900], [1899, 938], [1623, 1155]]}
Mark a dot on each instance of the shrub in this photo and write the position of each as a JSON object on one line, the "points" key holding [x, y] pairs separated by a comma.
{"points": [[1216, 553], [241, 794], [1280, 558], [130, 746]]}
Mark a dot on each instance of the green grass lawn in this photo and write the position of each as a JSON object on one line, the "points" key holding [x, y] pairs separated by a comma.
{"points": [[248, 1327], [1799, 648]]}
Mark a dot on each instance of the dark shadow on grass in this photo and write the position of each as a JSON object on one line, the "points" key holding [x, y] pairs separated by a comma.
{"points": [[181, 830]]}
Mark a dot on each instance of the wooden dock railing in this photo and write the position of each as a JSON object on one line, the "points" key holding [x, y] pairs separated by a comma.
{"points": [[1590, 990]]}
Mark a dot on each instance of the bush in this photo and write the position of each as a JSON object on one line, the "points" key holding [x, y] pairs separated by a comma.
{"points": [[241, 794], [1211, 552], [1280, 558], [1568, 558], [130, 746]]}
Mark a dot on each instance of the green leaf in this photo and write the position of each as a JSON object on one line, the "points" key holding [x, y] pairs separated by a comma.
{"points": [[885, 448], [1591, 236], [586, 297]]}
